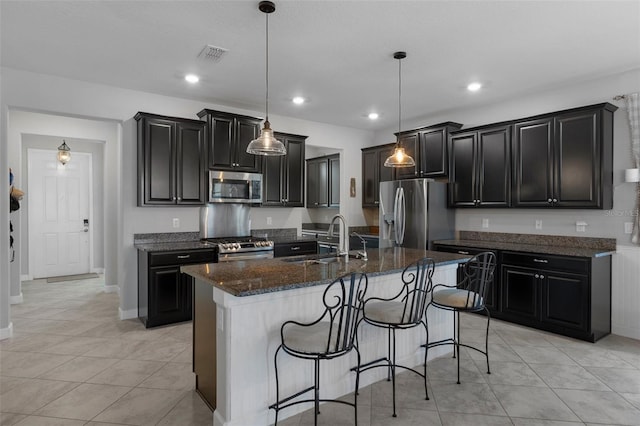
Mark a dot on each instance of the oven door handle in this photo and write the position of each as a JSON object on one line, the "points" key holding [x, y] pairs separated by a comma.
{"points": [[251, 256]]}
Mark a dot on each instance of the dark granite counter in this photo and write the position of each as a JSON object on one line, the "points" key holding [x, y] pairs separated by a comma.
{"points": [[247, 278], [291, 239], [530, 243], [173, 246]]}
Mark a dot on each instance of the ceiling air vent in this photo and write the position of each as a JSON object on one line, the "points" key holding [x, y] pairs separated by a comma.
{"points": [[212, 53]]}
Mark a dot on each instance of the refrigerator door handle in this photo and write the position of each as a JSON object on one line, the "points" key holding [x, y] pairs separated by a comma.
{"points": [[399, 216]]}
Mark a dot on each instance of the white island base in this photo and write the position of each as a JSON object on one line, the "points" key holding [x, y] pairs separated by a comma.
{"points": [[248, 334]]}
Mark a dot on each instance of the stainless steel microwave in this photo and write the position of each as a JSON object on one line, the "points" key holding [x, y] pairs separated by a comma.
{"points": [[234, 187]]}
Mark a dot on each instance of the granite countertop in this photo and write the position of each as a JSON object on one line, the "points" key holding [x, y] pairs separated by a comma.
{"points": [[291, 239], [173, 246], [549, 246], [253, 277]]}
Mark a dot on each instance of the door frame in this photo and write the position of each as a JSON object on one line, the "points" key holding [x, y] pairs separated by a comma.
{"points": [[31, 235]]}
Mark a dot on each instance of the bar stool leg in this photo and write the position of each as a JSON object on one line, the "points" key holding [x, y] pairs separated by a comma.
{"points": [[355, 397], [486, 342], [389, 353], [393, 373], [275, 363], [316, 391], [457, 346], [454, 333], [426, 348]]}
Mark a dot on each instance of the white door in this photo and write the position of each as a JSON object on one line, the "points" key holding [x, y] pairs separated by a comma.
{"points": [[59, 210]]}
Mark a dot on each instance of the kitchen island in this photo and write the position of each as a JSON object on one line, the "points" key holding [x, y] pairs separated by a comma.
{"points": [[240, 306]]}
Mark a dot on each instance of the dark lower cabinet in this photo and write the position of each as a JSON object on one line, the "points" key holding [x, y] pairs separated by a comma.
{"points": [[520, 293], [295, 248], [164, 293], [565, 299]]}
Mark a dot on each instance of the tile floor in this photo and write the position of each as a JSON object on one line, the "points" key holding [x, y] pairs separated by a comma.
{"points": [[72, 362]]}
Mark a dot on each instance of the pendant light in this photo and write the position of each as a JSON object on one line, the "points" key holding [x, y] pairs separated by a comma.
{"points": [[266, 143], [64, 153], [399, 158]]}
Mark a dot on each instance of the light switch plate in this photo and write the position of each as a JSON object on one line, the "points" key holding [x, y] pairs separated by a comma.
{"points": [[628, 227], [485, 222], [538, 224], [176, 222]]}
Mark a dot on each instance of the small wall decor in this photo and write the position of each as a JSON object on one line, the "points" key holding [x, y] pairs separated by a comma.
{"points": [[352, 188]]}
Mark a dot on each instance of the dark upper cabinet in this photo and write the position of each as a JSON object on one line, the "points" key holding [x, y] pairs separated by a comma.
{"points": [[171, 161], [283, 175], [374, 172], [480, 168], [228, 136], [323, 181], [429, 148], [565, 159]]}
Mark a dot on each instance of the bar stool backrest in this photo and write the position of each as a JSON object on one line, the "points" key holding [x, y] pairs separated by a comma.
{"points": [[478, 275], [343, 300], [417, 279]]}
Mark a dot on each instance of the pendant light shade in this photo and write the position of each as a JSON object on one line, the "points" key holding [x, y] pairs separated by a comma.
{"points": [[399, 158], [266, 143], [64, 153]]}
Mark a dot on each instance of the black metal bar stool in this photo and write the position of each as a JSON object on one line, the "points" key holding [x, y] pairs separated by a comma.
{"points": [[403, 311], [468, 295], [332, 335]]}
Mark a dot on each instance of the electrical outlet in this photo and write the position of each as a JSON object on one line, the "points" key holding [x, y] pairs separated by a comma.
{"points": [[628, 227], [485, 222], [581, 226], [269, 220], [176, 222], [538, 224]]}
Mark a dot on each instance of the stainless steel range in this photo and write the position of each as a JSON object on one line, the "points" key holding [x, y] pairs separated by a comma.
{"points": [[228, 228]]}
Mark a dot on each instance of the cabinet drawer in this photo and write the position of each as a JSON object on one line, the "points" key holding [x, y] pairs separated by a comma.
{"points": [[542, 261], [295, 249], [183, 257], [472, 251]]}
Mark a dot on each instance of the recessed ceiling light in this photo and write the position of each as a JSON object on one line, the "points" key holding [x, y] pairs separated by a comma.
{"points": [[474, 87], [192, 78], [373, 116], [298, 100]]}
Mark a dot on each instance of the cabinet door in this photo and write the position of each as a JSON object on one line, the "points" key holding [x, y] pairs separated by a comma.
{"points": [[294, 173], [169, 296], [462, 192], [577, 159], [533, 163], [565, 300], [334, 181], [313, 183], [221, 145], [272, 170], [246, 130], [433, 153], [520, 294], [410, 143], [493, 173], [159, 167], [190, 154], [370, 183], [385, 174]]}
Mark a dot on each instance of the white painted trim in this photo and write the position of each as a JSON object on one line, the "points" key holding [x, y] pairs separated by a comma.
{"points": [[15, 300], [26, 277], [5, 333], [631, 332], [112, 289], [128, 314], [97, 270]]}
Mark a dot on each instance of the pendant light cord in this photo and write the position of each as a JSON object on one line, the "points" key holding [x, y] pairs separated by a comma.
{"points": [[267, 69], [399, 97]]}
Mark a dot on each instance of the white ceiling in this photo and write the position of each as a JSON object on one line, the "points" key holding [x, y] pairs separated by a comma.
{"points": [[336, 53]]}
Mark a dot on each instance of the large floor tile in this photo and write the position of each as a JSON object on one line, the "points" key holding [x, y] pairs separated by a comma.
{"points": [[618, 379], [83, 402], [633, 398], [445, 369], [380, 416], [456, 419], [511, 373], [466, 398], [157, 350], [497, 352], [10, 419], [114, 348], [29, 364], [409, 393], [332, 414], [568, 377], [126, 372], [79, 369], [532, 403], [172, 375], [191, 410], [536, 422], [31, 342], [33, 394], [600, 407], [74, 345], [542, 355], [595, 357], [141, 407], [49, 421]]}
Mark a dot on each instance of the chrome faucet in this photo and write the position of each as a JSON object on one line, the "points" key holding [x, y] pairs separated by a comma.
{"points": [[361, 254], [343, 249]]}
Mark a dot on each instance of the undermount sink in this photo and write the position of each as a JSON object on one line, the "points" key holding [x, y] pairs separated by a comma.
{"points": [[316, 260]]}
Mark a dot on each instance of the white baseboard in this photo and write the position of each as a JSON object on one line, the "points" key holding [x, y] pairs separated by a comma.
{"points": [[26, 277], [128, 314], [97, 270], [111, 289], [5, 333], [15, 300]]}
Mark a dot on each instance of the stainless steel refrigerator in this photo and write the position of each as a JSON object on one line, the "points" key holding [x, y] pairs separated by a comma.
{"points": [[414, 212]]}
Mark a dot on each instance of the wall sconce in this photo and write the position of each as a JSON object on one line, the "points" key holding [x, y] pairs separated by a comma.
{"points": [[632, 175], [64, 153]]}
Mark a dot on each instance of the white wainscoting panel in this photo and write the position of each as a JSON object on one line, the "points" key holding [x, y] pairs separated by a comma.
{"points": [[625, 292]]}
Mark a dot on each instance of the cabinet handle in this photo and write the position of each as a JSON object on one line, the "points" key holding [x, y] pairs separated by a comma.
{"points": [[463, 252], [296, 248], [179, 198], [549, 200], [184, 256], [555, 200], [376, 202], [541, 260], [174, 198], [541, 277], [537, 276]]}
